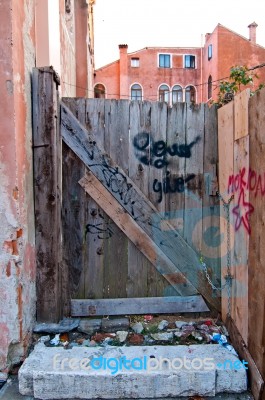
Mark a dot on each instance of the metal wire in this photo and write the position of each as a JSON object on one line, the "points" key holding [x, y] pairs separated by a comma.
{"points": [[228, 277]]}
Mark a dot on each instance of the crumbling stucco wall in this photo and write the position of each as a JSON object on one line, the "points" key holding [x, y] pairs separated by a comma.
{"points": [[17, 263]]}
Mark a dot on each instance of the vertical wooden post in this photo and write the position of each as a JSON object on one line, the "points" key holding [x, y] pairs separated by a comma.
{"points": [[47, 192]]}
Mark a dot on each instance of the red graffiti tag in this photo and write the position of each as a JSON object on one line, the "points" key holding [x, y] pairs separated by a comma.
{"points": [[242, 212], [247, 180]]}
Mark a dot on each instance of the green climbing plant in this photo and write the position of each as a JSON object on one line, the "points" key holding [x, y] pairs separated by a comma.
{"points": [[240, 77]]}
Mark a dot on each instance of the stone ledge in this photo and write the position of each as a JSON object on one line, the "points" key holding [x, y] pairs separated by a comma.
{"points": [[42, 377]]}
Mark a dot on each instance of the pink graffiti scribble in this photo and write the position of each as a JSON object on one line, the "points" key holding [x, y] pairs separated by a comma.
{"points": [[247, 180], [242, 212]]}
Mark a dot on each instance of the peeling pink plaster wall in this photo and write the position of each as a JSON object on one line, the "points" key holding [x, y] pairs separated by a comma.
{"points": [[17, 260]]}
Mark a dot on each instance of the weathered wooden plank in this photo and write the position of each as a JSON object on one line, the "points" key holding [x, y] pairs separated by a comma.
{"points": [[131, 198], [241, 114], [158, 155], [47, 193], [255, 378], [157, 305], [140, 281], [137, 236], [74, 205], [256, 272], [226, 168], [98, 228], [211, 235], [194, 167], [241, 247], [192, 231], [175, 198], [158, 139], [116, 145]]}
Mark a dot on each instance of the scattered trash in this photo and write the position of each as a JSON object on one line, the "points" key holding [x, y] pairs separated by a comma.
{"points": [[138, 330], [64, 337], [44, 339], [100, 337], [135, 339], [162, 325], [221, 339], [107, 341], [56, 340], [138, 327], [121, 336], [180, 324], [165, 336], [148, 318]]}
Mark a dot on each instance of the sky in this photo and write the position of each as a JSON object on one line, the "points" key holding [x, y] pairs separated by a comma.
{"points": [[168, 23]]}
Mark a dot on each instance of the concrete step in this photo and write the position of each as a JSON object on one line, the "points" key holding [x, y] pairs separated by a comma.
{"points": [[131, 372]]}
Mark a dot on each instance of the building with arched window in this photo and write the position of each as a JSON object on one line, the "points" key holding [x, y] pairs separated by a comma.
{"points": [[136, 92], [190, 94], [164, 93], [210, 87], [99, 91], [177, 94], [177, 74]]}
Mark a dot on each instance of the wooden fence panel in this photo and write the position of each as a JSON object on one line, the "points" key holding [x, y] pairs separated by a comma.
{"points": [[47, 193], [97, 228], [74, 213], [241, 243], [116, 141], [146, 215], [175, 198], [226, 168], [211, 246], [256, 271], [142, 277], [241, 173]]}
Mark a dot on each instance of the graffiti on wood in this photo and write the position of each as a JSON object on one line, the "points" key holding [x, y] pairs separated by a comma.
{"points": [[157, 154], [101, 230], [150, 152], [247, 180], [175, 185]]}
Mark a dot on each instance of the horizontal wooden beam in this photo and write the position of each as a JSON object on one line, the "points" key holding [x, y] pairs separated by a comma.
{"points": [[140, 305], [135, 233], [130, 197]]}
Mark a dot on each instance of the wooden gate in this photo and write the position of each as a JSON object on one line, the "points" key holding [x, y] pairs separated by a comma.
{"points": [[139, 205]]}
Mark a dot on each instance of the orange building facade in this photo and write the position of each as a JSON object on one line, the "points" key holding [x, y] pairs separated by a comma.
{"points": [[33, 33], [179, 74]]}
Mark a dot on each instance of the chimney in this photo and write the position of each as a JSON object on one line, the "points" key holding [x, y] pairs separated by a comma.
{"points": [[252, 32], [124, 89], [207, 35]]}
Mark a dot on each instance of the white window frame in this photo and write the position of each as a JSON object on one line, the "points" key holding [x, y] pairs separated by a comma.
{"points": [[130, 93], [135, 59], [210, 46], [170, 60], [184, 92], [169, 92], [194, 55]]}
